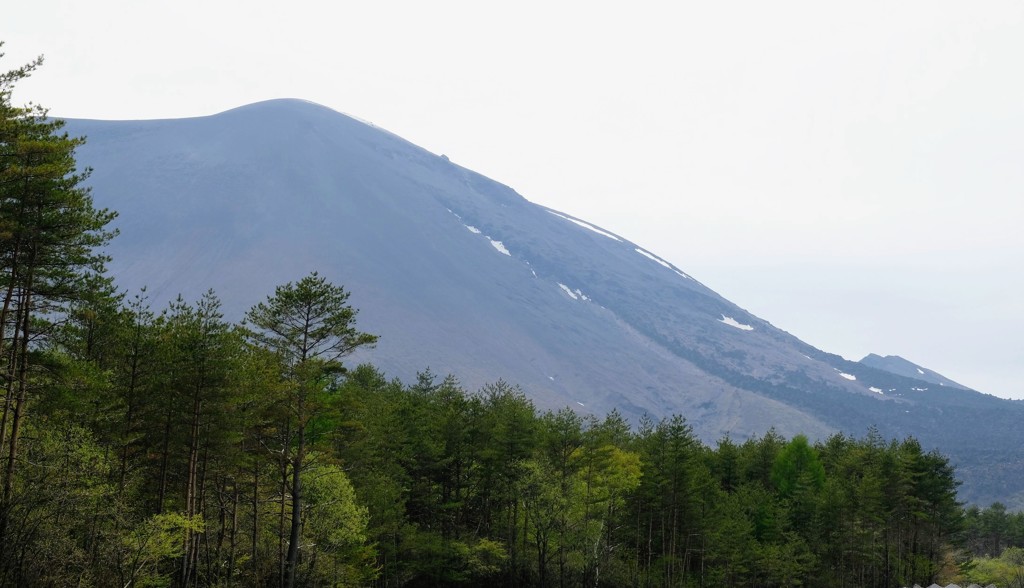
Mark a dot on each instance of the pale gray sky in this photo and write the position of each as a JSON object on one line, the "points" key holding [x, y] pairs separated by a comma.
{"points": [[852, 172]]}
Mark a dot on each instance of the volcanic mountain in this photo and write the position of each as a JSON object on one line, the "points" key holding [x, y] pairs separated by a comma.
{"points": [[460, 274]]}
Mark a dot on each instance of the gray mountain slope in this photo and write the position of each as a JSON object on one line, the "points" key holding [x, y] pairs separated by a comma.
{"points": [[463, 275]]}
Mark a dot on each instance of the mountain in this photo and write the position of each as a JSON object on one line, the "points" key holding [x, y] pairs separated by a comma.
{"points": [[462, 275], [897, 365]]}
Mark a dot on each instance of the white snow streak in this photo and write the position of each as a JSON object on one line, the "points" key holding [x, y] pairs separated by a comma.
{"points": [[500, 247], [661, 262], [848, 376], [733, 322], [876, 390], [576, 294], [472, 229], [587, 226], [920, 371], [653, 258]]}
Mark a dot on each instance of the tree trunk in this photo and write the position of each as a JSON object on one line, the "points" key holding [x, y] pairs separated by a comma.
{"points": [[9, 376], [162, 494], [254, 552], [282, 559], [20, 391], [10, 379], [296, 525], [233, 545], [129, 416], [5, 313], [190, 487]]}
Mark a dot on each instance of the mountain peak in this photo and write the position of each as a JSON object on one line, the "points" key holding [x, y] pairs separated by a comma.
{"points": [[286, 107]]}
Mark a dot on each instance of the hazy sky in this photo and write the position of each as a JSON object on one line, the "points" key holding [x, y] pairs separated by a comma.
{"points": [[852, 172]]}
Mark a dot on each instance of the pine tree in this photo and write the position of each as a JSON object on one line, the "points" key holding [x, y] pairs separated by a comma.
{"points": [[310, 327], [50, 234]]}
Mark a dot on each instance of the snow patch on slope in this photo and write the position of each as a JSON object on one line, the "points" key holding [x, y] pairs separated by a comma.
{"points": [[576, 293], [499, 246], [494, 242], [850, 377], [733, 322]]}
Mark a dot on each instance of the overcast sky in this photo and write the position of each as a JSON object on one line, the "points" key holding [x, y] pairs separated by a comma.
{"points": [[851, 172]]}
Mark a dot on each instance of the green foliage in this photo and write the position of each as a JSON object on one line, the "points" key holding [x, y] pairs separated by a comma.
{"points": [[62, 492], [334, 529], [158, 539], [797, 469], [1007, 570], [427, 484]]}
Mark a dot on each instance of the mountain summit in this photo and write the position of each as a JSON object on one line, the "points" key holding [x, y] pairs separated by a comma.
{"points": [[460, 274]]}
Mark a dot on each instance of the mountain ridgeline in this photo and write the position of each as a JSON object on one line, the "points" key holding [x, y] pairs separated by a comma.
{"points": [[459, 273]]}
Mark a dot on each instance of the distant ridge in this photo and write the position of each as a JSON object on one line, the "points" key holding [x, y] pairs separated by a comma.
{"points": [[897, 365]]}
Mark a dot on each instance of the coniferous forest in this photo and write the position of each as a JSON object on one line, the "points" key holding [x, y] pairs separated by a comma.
{"points": [[168, 446]]}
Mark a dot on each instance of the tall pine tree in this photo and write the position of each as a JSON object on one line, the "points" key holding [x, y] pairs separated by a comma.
{"points": [[310, 327], [50, 234]]}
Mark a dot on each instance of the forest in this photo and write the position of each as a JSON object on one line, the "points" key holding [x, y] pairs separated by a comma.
{"points": [[172, 447]]}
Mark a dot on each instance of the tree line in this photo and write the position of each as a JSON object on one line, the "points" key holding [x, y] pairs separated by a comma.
{"points": [[146, 447]]}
